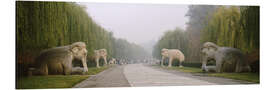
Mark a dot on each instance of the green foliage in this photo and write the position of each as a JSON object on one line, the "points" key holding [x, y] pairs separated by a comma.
{"points": [[41, 25], [236, 27], [250, 22], [199, 17], [230, 26]]}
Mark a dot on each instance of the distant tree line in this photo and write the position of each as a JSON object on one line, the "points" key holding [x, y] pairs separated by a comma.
{"points": [[231, 26], [43, 25], [129, 51]]}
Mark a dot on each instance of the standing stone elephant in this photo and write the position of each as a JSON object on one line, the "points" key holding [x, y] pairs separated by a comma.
{"points": [[172, 54], [58, 60], [113, 61], [101, 53], [227, 59]]}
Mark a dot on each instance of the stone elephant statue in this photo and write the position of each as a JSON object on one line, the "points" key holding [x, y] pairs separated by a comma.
{"points": [[113, 61], [172, 54], [101, 53], [58, 60], [227, 59]]}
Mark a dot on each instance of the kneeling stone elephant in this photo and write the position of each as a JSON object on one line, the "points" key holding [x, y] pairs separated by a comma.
{"points": [[172, 54], [227, 59], [58, 60]]}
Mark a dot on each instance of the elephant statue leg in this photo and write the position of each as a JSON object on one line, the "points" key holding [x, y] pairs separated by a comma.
{"points": [[170, 62], [218, 66], [180, 63], [237, 68], [181, 59], [162, 61], [97, 62], [44, 70], [105, 61], [67, 68]]}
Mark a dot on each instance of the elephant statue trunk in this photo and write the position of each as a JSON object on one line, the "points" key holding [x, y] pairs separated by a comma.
{"points": [[85, 68]]}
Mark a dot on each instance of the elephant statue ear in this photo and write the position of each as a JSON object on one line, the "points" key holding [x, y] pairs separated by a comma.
{"points": [[75, 48], [212, 45], [202, 48], [164, 49]]}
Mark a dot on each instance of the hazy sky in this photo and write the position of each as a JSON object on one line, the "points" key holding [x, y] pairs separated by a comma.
{"points": [[138, 23]]}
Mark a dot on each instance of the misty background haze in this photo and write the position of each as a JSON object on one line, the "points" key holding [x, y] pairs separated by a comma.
{"points": [[142, 24]]}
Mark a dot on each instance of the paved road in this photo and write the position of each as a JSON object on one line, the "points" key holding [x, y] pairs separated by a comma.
{"points": [[137, 75], [112, 77], [143, 75], [140, 75]]}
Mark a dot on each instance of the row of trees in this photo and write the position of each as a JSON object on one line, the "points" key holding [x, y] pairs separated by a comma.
{"points": [[230, 26], [234, 27], [43, 25], [129, 51]]}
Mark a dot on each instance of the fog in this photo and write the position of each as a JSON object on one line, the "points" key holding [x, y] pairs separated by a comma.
{"points": [[138, 23]]}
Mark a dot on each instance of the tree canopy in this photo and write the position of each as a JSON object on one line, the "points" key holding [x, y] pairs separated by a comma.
{"points": [[230, 26], [42, 25]]}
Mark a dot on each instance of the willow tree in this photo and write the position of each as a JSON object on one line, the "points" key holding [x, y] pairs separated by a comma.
{"points": [[250, 22], [41, 25], [199, 16], [233, 26]]}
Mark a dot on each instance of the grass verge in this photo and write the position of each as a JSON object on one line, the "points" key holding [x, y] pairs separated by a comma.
{"points": [[55, 81], [251, 77], [186, 69], [94, 70]]}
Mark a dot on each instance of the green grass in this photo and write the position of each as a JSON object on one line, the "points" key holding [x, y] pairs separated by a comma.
{"points": [[94, 70], [55, 81], [251, 77], [52, 81], [187, 69]]}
